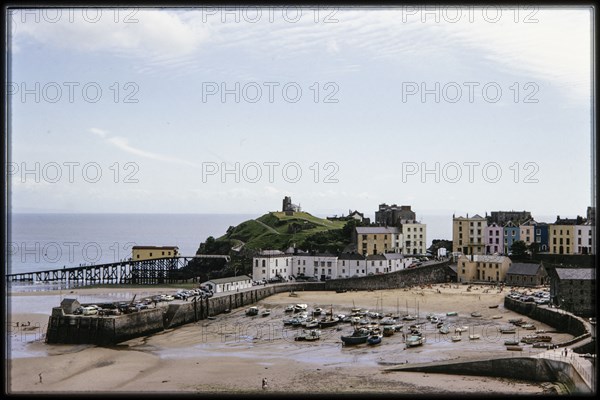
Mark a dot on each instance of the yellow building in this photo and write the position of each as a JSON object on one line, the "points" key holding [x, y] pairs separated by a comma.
{"points": [[561, 239], [478, 268], [468, 234], [377, 240], [152, 252]]}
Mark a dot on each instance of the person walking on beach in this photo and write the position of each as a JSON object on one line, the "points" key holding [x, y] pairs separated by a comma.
{"points": [[40, 375], [264, 384]]}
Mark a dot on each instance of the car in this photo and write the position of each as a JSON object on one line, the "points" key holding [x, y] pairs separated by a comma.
{"points": [[89, 311]]}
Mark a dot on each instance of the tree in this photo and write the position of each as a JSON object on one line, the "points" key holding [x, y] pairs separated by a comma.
{"points": [[518, 248]]}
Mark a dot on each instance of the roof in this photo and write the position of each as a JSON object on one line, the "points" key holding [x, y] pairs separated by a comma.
{"points": [[376, 257], [576, 273], [271, 253], [393, 256], [230, 279], [155, 247], [524, 269], [323, 255], [351, 256], [484, 258], [366, 230], [68, 301]]}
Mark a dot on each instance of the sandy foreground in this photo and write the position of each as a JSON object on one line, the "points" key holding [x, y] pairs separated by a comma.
{"points": [[233, 353]]}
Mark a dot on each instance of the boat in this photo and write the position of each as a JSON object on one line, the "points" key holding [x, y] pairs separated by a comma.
{"points": [[414, 340], [529, 327], [512, 342], [451, 314], [474, 337], [388, 330], [359, 336], [300, 307], [266, 313], [287, 321], [341, 290], [409, 317], [398, 327], [429, 315], [496, 316], [308, 336], [514, 348], [312, 324], [507, 329], [439, 324], [388, 321], [374, 339], [317, 311], [252, 311], [328, 322], [434, 320], [543, 345], [444, 329], [460, 329], [516, 321], [456, 338], [289, 308], [494, 306], [475, 314]]}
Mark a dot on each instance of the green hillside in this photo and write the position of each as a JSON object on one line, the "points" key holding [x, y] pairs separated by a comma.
{"points": [[276, 230]]}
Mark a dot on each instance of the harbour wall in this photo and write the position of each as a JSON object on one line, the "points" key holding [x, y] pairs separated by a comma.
{"points": [[560, 320], [530, 368], [114, 329]]}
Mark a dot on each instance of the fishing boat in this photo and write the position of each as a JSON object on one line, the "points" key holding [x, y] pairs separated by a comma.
{"points": [[475, 314], [312, 324], [461, 329], [266, 313], [289, 308], [512, 342], [388, 330], [341, 290], [456, 338], [494, 306], [529, 327], [398, 328], [496, 316], [388, 321], [317, 311], [444, 330], [516, 321], [451, 314], [439, 324], [252, 311], [474, 337], [414, 340], [507, 329], [429, 315], [287, 321], [359, 336], [543, 345], [374, 339], [434, 320], [328, 322], [409, 317]]}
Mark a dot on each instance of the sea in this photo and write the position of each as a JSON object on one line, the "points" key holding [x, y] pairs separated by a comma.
{"points": [[39, 242]]}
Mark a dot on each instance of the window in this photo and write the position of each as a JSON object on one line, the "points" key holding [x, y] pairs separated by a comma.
{"points": [[385, 237], [316, 264], [329, 263], [263, 264], [343, 264], [364, 237], [322, 263], [276, 263], [163, 253], [138, 256], [538, 231], [579, 231], [343, 271], [150, 254], [263, 271], [375, 237]]}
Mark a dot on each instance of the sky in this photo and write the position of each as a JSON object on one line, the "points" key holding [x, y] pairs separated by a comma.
{"points": [[447, 109]]}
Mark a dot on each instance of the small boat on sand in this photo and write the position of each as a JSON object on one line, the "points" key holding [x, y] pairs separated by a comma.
{"points": [[496, 316], [475, 314], [494, 306], [460, 329], [289, 308], [514, 348], [444, 330], [374, 339], [252, 311], [308, 336], [266, 313], [474, 337], [451, 314], [388, 330], [456, 338], [414, 340], [359, 336], [511, 342]]}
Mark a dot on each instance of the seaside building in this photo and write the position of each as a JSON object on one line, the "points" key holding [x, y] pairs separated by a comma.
{"points": [[230, 284], [561, 238], [351, 265], [527, 231], [397, 261], [574, 290], [583, 238], [477, 268], [502, 217], [287, 206], [139, 253], [512, 233], [319, 265], [494, 239], [415, 238], [377, 240], [271, 264], [541, 236], [526, 274], [394, 215], [468, 234]]}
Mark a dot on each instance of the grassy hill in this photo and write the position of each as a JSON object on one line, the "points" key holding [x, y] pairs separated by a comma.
{"points": [[276, 230]]}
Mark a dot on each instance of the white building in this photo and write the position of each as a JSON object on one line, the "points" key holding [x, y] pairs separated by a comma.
{"points": [[351, 264], [397, 262], [583, 239], [270, 264], [317, 265], [231, 284]]}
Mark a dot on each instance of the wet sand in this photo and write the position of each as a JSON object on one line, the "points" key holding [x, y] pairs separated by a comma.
{"points": [[233, 353]]}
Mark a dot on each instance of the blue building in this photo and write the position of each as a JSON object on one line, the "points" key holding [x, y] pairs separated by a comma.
{"points": [[512, 233], [541, 236]]}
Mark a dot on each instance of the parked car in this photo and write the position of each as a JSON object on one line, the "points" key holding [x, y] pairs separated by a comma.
{"points": [[89, 311]]}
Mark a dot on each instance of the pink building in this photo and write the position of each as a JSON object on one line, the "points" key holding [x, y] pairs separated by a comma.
{"points": [[494, 239]]}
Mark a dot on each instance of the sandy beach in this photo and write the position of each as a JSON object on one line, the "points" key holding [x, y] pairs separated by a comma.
{"points": [[233, 353]]}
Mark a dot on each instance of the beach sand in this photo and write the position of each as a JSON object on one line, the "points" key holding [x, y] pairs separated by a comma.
{"points": [[233, 353]]}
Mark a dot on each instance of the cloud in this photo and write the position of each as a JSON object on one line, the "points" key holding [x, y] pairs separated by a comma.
{"points": [[122, 143]]}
